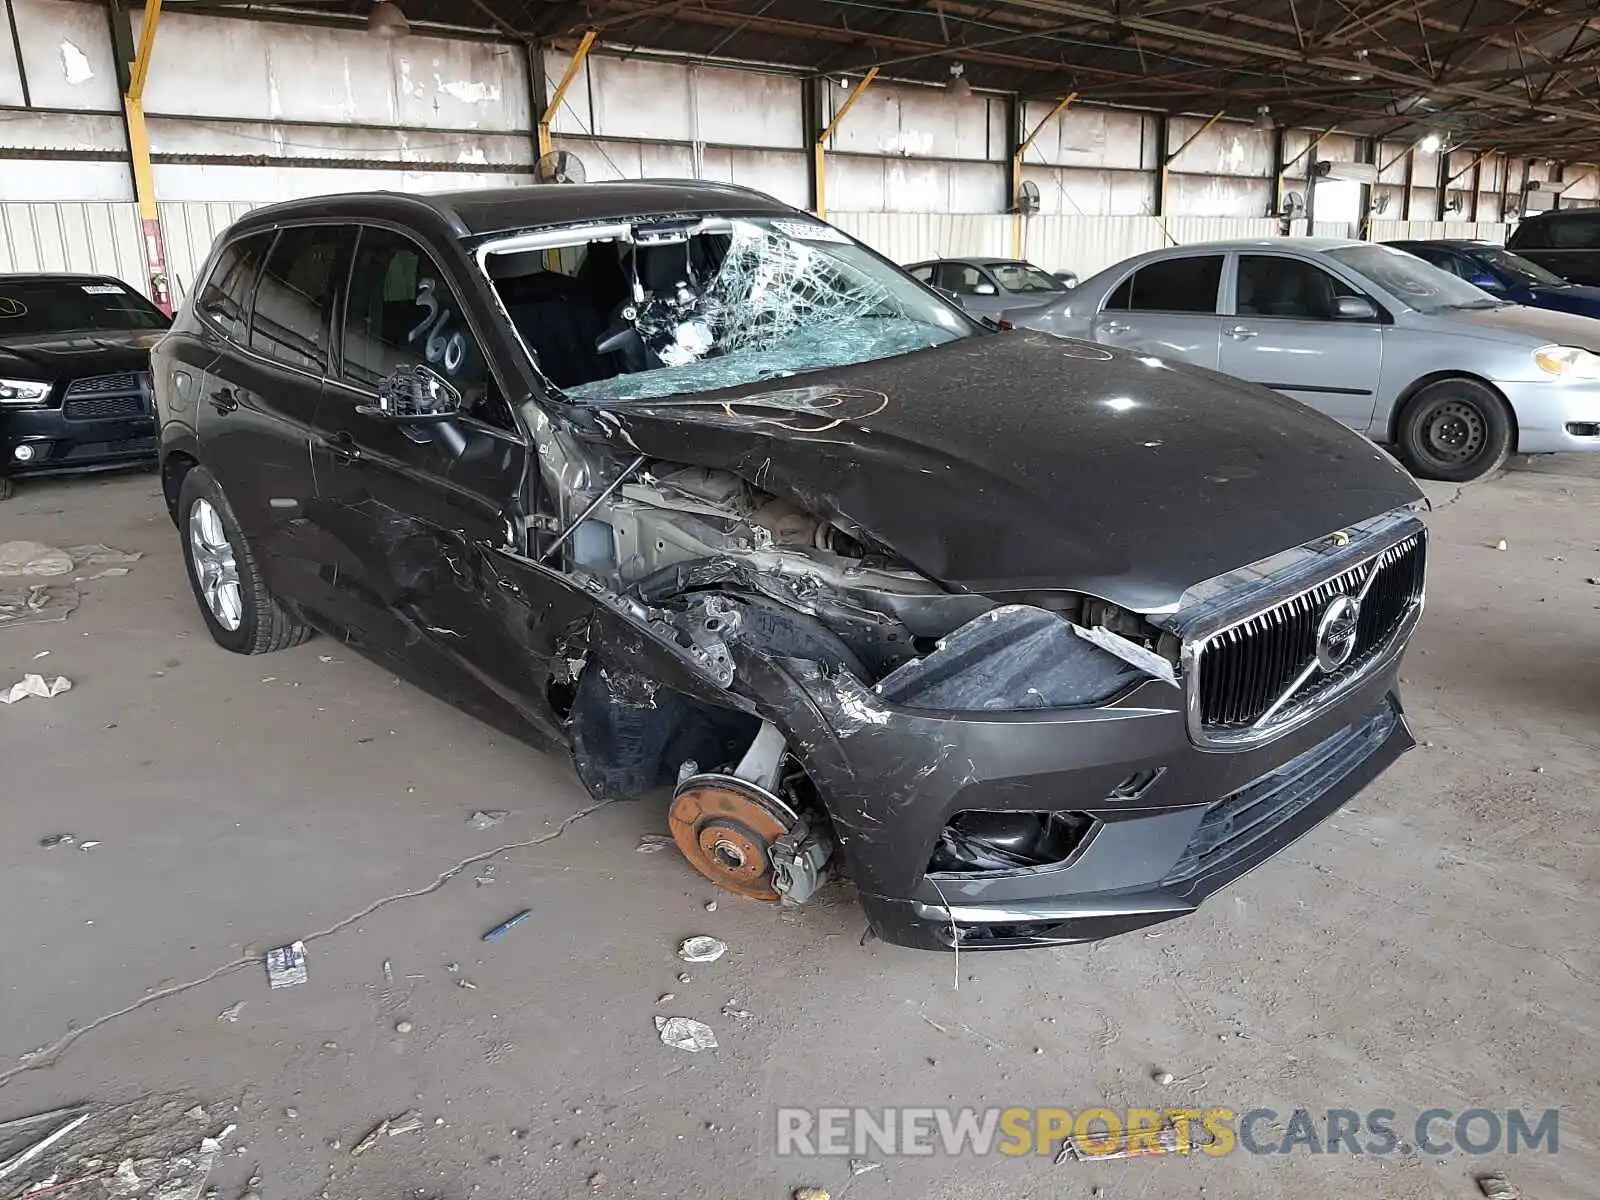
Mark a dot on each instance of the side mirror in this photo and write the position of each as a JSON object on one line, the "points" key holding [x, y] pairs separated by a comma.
{"points": [[1353, 308], [414, 396], [1067, 279], [984, 289]]}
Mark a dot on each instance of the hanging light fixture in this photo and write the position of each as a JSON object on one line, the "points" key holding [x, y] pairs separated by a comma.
{"points": [[958, 85], [1264, 118], [386, 21]]}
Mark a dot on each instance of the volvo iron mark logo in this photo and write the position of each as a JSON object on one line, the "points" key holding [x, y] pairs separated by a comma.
{"points": [[1336, 632]]}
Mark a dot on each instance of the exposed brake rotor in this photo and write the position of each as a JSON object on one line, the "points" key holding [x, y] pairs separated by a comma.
{"points": [[726, 827]]}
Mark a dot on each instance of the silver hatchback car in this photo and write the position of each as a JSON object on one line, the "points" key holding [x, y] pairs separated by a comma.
{"points": [[1375, 337]]}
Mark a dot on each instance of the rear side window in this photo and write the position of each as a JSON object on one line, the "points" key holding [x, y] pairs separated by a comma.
{"points": [[1556, 233], [224, 301], [290, 318], [963, 279], [1175, 285]]}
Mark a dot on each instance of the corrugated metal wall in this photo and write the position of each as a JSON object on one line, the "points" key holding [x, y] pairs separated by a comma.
{"points": [[190, 229], [93, 238]]}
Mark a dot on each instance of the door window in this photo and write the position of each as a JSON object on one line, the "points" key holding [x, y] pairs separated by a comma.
{"points": [[1270, 286], [289, 320], [224, 301], [1582, 233], [962, 279], [922, 274], [401, 314], [1174, 285]]}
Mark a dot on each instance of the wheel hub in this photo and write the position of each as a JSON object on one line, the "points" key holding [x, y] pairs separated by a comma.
{"points": [[726, 827], [1456, 431], [215, 568]]}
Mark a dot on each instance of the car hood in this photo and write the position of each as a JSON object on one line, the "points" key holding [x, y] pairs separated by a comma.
{"points": [[87, 353], [1534, 325], [1578, 298], [1004, 463]]}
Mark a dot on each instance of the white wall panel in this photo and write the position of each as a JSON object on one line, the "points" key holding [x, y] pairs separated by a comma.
{"points": [[66, 50], [745, 108], [778, 174], [101, 239], [244, 138], [1091, 137], [235, 184], [912, 237], [1218, 196], [1388, 231], [1227, 148], [859, 183], [916, 122], [45, 180], [1084, 193], [257, 69]]}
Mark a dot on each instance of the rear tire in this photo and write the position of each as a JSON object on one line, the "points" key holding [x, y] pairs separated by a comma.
{"points": [[6, 487], [1457, 430], [241, 614]]}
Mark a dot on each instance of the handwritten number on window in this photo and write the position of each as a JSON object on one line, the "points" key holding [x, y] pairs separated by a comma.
{"points": [[448, 350]]}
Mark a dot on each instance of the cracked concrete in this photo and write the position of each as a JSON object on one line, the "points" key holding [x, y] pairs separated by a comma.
{"points": [[1432, 945]]}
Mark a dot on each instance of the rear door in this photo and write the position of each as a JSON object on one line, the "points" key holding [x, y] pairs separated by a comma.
{"points": [[267, 310], [1285, 334], [1168, 308], [410, 521]]}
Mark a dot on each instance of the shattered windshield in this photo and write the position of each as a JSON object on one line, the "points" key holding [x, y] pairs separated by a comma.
{"points": [[700, 304]]}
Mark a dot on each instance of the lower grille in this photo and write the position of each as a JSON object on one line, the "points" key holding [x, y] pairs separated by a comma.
{"points": [[1238, 824], [98, 408], [1243, 675]]}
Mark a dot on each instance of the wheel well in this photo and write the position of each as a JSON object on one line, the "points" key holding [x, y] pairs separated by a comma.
{"points": [[1439, 377], [173, 468]]}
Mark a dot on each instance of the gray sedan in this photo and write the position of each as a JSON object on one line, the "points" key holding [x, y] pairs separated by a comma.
{"points": [[1393, 347]]}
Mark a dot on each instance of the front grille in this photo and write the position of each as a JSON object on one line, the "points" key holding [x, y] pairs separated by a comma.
{"points": [[1241, 674], [102, 385], [97, 408], [1239, 824]]}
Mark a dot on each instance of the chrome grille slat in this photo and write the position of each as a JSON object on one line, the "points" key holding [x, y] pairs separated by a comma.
{"points": [[1243, 671]]}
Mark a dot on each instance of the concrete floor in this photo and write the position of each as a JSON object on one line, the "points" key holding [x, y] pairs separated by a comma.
{"points": [[1432, 945]]}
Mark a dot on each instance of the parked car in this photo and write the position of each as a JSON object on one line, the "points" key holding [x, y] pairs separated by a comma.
{"points": [[1566, 242], [729, 508], [1506, 275], [1388, 344], [986, 287], [74, 376]]}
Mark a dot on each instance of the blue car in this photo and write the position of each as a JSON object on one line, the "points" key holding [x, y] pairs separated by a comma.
{"points": [[1505, 275]]}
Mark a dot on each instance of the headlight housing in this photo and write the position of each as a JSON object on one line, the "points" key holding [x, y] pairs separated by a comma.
{"points": [[1567, 362], [21, 393]]}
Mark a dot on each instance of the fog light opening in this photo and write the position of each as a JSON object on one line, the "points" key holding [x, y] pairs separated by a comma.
{"points": [[975, 843], [23, 453], [1583, 428]]}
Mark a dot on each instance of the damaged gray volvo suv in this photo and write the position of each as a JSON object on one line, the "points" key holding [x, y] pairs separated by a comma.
{"points": [[1035, 641]]}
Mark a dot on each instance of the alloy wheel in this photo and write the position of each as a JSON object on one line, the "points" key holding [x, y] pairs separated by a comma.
{"points": [[215, 568]]}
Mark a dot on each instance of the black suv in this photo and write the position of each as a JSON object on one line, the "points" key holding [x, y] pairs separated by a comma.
{"points": [[74, 375], [1566, 242], [1038, 641]]}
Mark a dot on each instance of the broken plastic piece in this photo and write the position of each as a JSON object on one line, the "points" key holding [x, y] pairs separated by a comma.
{"points": [[506, 926], [702, 949], [685, 1033], [650, 843], [34, 685], [23, 1157], [1133, 1144], [33, 558], [286, 965], [1498, 1187], [371, 1140], [487, 820], [1129, 652]]}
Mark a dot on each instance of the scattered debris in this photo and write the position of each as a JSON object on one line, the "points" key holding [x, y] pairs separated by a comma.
{"points": [[506, 926], [77, 1116], [468, 984], [37, 604], [292, 1113], [1164, 1078], [1498, 1187], [860, 1166], [485, 877], [812, 1193], [286, 965], [1500, 545], [403, 1026], [231, 1013], [683, 977], [666, 997], [702, 949], [35, 685], [652, 842], [51, 840], [489, 819], [1594, 579], [99, 555], [371, 1140], [738, 1014], [388, 972], [1132, 1144], [598, 1181], [685, 1033], [87, 845], [33, 559], [409, 1123], [198, 1113], [107, 573]]}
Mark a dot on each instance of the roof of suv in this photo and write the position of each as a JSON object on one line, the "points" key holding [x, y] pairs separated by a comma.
{"points": [[491, 210]]}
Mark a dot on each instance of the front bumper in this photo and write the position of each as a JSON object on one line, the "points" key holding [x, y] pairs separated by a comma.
{"points": [[1555, 416], [893, 778], [60, 445]]}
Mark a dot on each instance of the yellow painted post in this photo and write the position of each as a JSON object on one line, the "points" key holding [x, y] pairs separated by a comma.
{"points": [[1168, 160], [579, 57], [820, 150], [1016, 169], [144, 185]]}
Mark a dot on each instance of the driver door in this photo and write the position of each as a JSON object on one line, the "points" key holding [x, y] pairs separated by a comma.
{"points": [[973, 288], [408, 514]]}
